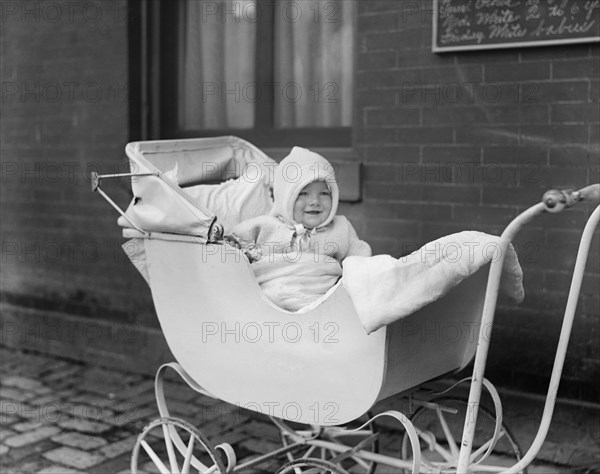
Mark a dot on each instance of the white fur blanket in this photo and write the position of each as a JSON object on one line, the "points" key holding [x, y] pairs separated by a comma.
{"points": [[295, 280], [384, 289]]}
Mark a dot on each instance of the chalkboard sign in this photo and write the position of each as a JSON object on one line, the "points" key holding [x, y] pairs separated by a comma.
{"points": [[485, 24]]}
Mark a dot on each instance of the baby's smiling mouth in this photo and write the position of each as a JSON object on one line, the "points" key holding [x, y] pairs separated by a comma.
{"points": [[313, 212]]}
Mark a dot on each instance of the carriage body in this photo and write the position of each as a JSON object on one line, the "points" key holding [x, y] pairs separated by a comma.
{"points": [[317, 367]]}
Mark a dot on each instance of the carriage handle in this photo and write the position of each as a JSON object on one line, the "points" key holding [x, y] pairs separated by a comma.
{"points": [[563, 342], [558, 200], [553, 201]]}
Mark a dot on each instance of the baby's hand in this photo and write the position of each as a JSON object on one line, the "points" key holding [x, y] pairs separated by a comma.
{"points": [[252, 251], [233, 241]]}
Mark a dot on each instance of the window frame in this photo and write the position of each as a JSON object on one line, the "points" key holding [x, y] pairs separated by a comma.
{"points": [[154, 102]]}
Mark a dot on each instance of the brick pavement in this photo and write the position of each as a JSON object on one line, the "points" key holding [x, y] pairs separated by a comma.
{"points": [[61, 417]]}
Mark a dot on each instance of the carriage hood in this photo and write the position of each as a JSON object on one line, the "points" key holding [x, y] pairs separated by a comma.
{"points": [[295, 171]]}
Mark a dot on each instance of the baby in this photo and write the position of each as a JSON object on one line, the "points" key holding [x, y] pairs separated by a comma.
{"points": [[297, 250]]}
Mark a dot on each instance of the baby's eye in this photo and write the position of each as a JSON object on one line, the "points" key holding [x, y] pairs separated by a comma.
{"points": [[325, 193], [303, 193]]}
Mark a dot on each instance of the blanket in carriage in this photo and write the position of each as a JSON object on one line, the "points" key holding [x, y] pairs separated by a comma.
{"points": [[384, 289]]}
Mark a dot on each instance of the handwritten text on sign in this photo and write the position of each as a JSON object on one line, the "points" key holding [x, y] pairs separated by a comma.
{"points": [[477, 24]]}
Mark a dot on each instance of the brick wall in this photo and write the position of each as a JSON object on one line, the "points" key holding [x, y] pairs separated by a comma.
{"points": [[65, 114], [468, 140], [448, 142]]}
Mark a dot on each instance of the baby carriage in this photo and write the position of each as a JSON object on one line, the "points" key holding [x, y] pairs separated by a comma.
{"points": [[317, 373]]}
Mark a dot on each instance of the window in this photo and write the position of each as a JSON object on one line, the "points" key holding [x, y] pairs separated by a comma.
{"points": [[277, 73]]}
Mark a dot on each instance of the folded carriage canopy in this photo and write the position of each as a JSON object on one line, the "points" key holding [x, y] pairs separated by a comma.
{"points": [[161, 202]]}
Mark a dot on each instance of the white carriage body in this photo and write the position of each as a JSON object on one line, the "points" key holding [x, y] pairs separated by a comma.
{"points": [[318, 367]]}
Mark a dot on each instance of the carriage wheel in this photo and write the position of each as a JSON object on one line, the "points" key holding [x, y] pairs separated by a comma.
{"points": [[311, 466], [440, 434], [175, 446], [367, 437]]}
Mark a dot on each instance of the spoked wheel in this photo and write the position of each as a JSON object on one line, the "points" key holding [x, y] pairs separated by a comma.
{"points": [[311, 466], [440, 433], [174, 446], [365, 439]]}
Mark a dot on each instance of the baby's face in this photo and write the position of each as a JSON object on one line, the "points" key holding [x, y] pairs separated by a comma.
{"points": [[313, 205]]}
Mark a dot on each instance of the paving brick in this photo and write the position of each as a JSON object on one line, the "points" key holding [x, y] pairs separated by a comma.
{"points": [[28, 467], [6, 420], [79, 440], [43, 390], [46, 399], [135, 414], [62, 383], [73, 457], [4, 450], [87, 411], [46, 413], [24, 383], [27, 426], [5, 433], [66, 374], [14, 394], [147, 398], [55, 365], [96, 400], [119, 447], [66, 394], [31, 436], [85, 426], [102, 381], [141, 387], [59, 470]]}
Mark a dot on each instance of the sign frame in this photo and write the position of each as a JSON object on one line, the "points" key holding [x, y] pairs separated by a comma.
{"points": [[436, 48]]}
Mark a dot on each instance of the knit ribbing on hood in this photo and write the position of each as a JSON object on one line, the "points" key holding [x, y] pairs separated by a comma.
{"points": [[295, 171]]}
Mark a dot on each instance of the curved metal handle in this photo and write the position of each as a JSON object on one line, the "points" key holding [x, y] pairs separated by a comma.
{"points": [[563, 342], [556, 200], [590, 193]]}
